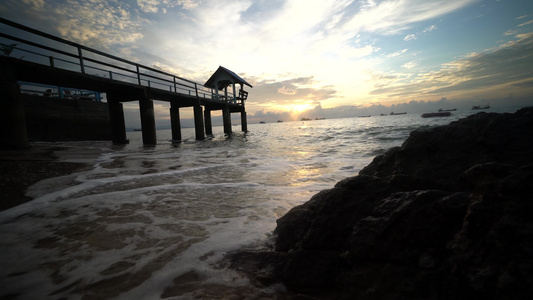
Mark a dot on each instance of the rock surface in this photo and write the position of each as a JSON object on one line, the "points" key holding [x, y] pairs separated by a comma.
{"points": [[448, 215]]}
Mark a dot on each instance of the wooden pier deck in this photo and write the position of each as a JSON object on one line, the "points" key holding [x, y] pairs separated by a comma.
{"points": [[58, 62]]}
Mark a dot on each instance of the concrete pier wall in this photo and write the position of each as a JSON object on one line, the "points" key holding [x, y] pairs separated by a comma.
{"points": [[117, 123], [55, 119], [244, 122], [199, 122], [226, 120], [175, 123], [208, 124], [146, 107], [12, 117]]}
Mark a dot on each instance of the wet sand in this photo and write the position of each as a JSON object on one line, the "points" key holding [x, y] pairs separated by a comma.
{"points": [[19, 169], [105, 249]]}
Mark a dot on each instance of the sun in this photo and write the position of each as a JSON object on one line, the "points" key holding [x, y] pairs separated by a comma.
{"points": [[294, 109], [300, 107]]}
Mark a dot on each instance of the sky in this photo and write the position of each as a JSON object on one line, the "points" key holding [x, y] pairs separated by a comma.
{"points": [[308, 56]]}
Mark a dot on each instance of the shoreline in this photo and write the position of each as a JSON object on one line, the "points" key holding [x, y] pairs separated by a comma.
{"points": [[428, 215], [20, 169]]}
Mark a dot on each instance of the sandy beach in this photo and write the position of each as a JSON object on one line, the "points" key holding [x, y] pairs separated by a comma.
{"points": [[19, 169]]}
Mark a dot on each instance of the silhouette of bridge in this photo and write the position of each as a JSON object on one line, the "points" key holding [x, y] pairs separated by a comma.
{"points": [[34, 56]]}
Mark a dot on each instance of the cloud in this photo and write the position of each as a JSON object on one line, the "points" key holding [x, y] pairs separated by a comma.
{"points": [[430, 28], [39, 4], [317, 49], [98, 24], [397, 53], [409, 37], [282, 94], [410, 64], [112, 24], [281, 36], [379, 76], [155, 6], [509, 64], [189, 4], [149, 6], [413, 36], [392, 17], [526, 23], [277, 35], [286, 91], [527, 84]]}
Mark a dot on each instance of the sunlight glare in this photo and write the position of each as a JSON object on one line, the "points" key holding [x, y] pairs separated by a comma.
{"points": [[300, 107]]}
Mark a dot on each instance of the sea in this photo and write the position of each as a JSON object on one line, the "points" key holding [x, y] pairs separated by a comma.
{"points": [[156, 222]]}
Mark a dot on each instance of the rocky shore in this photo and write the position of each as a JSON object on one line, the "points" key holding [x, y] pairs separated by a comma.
{"points": [[448, 215]]}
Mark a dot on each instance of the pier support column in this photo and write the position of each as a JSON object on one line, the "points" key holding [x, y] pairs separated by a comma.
{"points": [[199, 122], [116, 120], [244, 121], [146, 107], [175, 122], [12, 119], [208, 124], [226, 119]]}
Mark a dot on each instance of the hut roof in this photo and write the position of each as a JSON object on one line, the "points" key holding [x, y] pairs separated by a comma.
{"points": [[224, 77]]}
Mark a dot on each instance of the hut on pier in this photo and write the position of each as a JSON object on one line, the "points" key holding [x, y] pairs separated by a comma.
{"points": [[221, 80]]}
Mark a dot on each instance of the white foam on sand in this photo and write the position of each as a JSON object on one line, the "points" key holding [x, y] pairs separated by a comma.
{"points": [[146, 222], [141, 224]]}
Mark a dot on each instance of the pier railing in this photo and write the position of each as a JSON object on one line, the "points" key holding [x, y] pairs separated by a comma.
{"points": [[40, 47]]}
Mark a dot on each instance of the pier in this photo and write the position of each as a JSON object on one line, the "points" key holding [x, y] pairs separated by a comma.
{"points": [[37, 57]]}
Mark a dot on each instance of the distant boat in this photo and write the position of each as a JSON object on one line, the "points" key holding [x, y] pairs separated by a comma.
{"points": [[480, 107], [393, 113], [136, 129], [453, 109], [437, 114], [364, 116], [262, 122], [306, 119], [320, 118], [280, 121], [383, 115]]}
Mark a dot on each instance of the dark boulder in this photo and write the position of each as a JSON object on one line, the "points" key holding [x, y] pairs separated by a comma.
{"points": [[448, 215], [311, 226], [438, 157]]}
